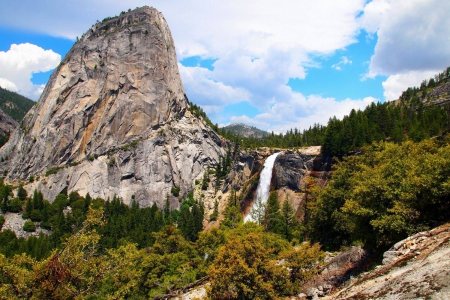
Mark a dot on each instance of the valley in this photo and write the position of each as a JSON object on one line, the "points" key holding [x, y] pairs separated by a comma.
{"points": [[116, 186]]}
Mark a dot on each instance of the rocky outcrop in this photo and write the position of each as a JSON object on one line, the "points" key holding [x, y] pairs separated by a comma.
{"points": [[114, 119], [415, 268], [289, 170], [7, 124], [15, 222], [439, 95]]}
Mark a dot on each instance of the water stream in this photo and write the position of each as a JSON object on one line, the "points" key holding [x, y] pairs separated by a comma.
{"points": [[262, 192]]}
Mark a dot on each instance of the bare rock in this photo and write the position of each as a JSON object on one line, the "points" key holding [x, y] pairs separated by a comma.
{"points": [[114, 119], [406, 274]]}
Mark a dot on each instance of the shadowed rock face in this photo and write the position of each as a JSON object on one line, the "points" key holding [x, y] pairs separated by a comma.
{"points": [[7, 124], [116, 114]]}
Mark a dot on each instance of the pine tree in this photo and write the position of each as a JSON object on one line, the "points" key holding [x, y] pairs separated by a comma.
{"points": [[272, 217], [167, 216], [21, 192], [287, 219]]}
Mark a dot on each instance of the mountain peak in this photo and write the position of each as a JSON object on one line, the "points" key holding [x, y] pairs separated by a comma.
{"points": [[110, 107]]}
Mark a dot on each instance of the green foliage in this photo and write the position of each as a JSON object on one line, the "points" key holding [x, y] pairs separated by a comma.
{"points": [[232, 213], [3, 140], [2, 221], [35, 215], [288, 223], [205, 180], [21, 192], [175, 191], [215, 215], [15, 105], [247, 266], [15, 205], [52, 171], [130, 145], [272, 216], [384, 195], [191, 216], [385, 121], [29, 226]]}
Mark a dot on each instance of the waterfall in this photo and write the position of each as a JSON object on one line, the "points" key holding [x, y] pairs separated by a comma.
{"points": [[263, 189]]}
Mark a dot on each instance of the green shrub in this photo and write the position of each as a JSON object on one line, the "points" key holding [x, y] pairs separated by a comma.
{"points": [[2, 221], [15, 205], [52, 171], [175, 191], [112, 161], [35, 215], [29, 226]]}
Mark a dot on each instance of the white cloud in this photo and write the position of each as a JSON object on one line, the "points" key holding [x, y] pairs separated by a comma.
{"points": [[344, 61], [374, 12], [6, 84], [412, 35], [302, 112], [396, 84], [201, 86], [259, 45], [19, 63]]}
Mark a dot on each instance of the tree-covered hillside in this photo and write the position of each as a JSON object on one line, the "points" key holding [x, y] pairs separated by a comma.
{"points": [[15, 105], [245, 130], [383, 195], [420, 113]]}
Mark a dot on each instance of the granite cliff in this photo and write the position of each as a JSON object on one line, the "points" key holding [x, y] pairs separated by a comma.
{"points": [[114, 119], [7, 124]]}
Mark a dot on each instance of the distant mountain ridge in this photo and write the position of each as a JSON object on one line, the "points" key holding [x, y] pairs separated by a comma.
{"points": [[245, 130], [14, 105]]}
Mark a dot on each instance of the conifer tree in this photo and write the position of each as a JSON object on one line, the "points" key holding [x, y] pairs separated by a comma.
{"points": [[287, 219], [272, 216]]}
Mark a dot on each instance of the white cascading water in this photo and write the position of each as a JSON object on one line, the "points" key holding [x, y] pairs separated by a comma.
{"points": [[262, 192]]}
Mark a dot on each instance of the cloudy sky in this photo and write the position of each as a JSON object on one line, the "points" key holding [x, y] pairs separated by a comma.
{"points": [[272, 64]]}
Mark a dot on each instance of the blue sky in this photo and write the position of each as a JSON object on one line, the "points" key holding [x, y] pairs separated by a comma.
{"points": [[274, 65]]}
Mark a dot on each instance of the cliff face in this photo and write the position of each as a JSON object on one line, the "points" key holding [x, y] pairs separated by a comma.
{"points": [[114, 118], [7, 124]]}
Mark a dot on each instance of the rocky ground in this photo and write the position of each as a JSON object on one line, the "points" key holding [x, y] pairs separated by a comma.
{"points": [[415, 268], [14, 222]]}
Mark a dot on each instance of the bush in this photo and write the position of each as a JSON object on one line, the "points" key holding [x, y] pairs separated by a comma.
{"points": [[15, 205], [2, 221], [175, 191], [29, 226], [46, 225], [111, 162], [35, 215]]}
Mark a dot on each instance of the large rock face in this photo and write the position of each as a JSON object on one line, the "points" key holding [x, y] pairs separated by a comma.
{"points": [[115, 115]]}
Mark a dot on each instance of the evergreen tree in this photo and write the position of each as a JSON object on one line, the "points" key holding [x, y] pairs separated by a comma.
{"points": [[272, 216], [21, 192], [287, 219]]}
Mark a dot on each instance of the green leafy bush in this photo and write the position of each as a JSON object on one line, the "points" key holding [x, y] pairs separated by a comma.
{"points": [[29, 226]]}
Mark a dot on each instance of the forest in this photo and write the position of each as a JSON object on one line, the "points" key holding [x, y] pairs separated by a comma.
{"points": [[390, 180], [412, 117]]}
